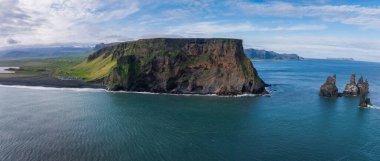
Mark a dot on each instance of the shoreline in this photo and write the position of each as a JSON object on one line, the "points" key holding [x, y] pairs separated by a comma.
{"points": [[53, 83], [49, 82]]}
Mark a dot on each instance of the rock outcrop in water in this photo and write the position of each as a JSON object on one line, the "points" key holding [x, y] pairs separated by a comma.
{"points": [[364, 84], [363, 90], [351, 88], [182, 66], [329, 89]]}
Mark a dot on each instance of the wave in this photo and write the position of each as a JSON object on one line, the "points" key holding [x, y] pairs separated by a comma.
{"points": [[171, 94], [374, 107], [104, 90]]}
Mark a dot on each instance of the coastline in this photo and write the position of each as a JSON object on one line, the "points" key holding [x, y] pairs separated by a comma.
{"points": [[49, 82], [79, 85]]}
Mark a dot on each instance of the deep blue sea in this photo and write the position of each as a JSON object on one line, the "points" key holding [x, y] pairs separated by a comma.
{"points": [[294, 123]]}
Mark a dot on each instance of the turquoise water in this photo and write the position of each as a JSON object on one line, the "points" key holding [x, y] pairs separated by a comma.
{"points": [[294, 123]]}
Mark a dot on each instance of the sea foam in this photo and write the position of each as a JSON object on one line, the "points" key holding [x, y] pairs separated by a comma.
{"points": [[374, 107], [104, 90], [55, 88]]}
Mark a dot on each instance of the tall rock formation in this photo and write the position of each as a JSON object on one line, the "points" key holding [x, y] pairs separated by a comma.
{"points": [[329, 89], [351, 88], [364, 84], [181, 66], [363, 90]]}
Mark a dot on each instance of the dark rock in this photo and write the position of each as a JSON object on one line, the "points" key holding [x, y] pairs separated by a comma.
{"points": [[329, 89], [363, 92], [351, 88], [364, 84], [364, 101], [182, 66]]}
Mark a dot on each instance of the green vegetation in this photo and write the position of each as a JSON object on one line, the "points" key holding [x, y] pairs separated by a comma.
{"points": [[155, 54], [102, 64], [196, 59], [245, 64], [131, 66], [72, 67], [41, 67], [90, 70]]}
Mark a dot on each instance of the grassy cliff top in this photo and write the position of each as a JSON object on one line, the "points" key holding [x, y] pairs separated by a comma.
{"points": [[100, 64]]}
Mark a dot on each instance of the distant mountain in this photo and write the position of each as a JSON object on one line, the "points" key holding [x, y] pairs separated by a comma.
{"points": [[348, 59], [269, 55], [43, 52]]}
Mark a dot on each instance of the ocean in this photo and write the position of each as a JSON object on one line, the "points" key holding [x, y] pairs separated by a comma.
{"points": [[293, 123]]}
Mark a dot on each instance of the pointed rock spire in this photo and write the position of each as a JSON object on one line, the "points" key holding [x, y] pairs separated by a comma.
{"points": [[351, 89]]}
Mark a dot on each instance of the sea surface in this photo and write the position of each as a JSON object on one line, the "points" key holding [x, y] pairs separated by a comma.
{"points": [[294, 123]]}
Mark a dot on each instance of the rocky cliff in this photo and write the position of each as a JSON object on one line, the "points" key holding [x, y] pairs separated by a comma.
{"points": [[181, 66]]}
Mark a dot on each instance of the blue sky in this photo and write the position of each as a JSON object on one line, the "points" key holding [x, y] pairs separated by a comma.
{"points": [[310, 28]]}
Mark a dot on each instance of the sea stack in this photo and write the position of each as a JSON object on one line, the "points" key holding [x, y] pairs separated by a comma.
{"points": [[180, 66], [351, 88], [363, 90], [364, 84], [329, 89]]}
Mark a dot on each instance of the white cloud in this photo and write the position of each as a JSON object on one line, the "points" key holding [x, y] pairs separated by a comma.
{"points": [[368, 17], [207, 28], [14, 19], [52, 21], [261, 25]]}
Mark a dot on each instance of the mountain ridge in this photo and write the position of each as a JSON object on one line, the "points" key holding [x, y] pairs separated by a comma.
{"points": [[256, 54]]}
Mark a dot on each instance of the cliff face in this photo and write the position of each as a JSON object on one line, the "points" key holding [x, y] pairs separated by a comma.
{"points": [[183, 66]]}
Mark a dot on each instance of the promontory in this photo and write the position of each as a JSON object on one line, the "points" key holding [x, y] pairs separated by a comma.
{"points": [[173, 65]]}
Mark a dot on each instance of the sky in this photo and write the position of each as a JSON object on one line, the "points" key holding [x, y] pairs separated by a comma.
{"points": [[310, 28]]}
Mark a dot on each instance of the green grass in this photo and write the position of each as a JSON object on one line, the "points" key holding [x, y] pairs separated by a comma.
{"points": [[74, 67], [40, 67], [90, 70], [245, 64]]}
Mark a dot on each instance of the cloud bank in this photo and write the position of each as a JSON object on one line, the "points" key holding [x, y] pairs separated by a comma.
{"points": [[311, 28]]}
